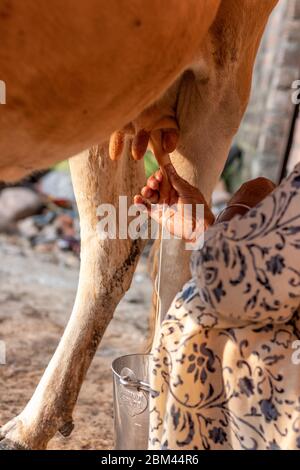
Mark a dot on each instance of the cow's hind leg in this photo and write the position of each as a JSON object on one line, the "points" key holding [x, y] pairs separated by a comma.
{"points": [[106, 272]]}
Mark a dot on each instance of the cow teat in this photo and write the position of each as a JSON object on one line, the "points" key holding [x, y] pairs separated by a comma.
{"points": [[161, 136]]}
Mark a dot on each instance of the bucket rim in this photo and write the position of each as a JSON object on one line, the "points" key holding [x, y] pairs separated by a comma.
{"points": [[124, 356]]}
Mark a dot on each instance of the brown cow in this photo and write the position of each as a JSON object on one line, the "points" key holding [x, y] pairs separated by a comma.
{"points": [[74, 74]]}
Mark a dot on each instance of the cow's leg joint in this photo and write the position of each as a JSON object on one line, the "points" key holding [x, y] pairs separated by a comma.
{"points": [[67, 429]]}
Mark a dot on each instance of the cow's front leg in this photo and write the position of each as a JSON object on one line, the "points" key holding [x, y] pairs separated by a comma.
{"points": [[106, 271]]}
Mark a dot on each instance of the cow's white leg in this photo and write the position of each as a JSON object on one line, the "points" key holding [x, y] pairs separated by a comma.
{"points": [[105, 274]]}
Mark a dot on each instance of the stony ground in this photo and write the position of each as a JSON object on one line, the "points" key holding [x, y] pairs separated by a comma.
{"points": [[36, 296]]}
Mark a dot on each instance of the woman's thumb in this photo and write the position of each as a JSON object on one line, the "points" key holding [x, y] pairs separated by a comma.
{"points": [[173, 177]]}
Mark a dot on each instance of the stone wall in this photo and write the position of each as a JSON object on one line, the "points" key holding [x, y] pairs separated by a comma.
{"points": [[265, 129]]}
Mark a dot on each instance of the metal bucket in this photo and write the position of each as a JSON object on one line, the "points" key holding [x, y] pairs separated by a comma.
{"points": [[131, 401]]}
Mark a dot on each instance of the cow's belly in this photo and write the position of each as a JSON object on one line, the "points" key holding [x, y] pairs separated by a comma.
{"points": [[78, 71]]}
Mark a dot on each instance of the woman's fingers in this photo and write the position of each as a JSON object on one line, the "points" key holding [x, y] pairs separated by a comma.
{"points": [[153, 183], [146, 192], [154, 180], [155, 211], [158, 175], [139, 200], [151, 190], [149, 194]]}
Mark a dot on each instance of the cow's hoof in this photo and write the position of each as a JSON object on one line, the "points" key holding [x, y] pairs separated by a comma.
{"points": [[7, 444], [10, 435]]}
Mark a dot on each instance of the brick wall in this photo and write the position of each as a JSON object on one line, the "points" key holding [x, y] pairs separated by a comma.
{"points": [[265, 128]]}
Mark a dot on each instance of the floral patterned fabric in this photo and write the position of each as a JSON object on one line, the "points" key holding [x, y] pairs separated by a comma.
{"points": [[222, 368]]}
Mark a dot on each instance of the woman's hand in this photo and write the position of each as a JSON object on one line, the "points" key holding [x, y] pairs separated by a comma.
{"points": [[249, 194], [178, 208]]}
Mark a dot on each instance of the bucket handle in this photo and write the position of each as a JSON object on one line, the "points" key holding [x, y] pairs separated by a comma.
{"points": [[136, 384]]}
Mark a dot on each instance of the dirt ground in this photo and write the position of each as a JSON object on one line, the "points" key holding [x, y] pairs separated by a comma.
{"points": [[36, 297]]}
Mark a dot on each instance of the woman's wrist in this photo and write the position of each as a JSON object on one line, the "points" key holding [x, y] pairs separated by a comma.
{"points": [[201, 225], [209, 218]]}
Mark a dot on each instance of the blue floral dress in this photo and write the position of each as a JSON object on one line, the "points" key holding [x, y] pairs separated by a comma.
{"points": [[225, 368]]}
